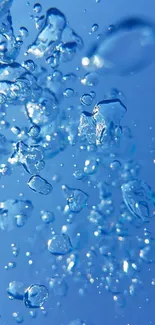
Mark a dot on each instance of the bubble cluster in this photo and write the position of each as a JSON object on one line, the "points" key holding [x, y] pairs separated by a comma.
{"points": [[57, 129]]}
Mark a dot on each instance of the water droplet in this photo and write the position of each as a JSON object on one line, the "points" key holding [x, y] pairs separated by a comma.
{"points": [[125, 49], [35, 296], [39, 185], [59, 244]]}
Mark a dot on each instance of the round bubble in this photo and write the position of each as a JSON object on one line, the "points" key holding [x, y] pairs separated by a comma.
{"points": [[59, 244], [35, 296], [15, 290], [125, 49]]}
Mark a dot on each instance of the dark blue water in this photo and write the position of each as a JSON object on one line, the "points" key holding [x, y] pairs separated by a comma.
{"points": [[77, 159]]}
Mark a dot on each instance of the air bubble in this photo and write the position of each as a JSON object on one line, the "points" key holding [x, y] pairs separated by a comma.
{"points": [[39, 22], [125, 49], [90, 166], [37, 8], [94, 28], [86, 99], [31, 157], [78, 174], [33, 313], [139, 199], [39, 185], [18, 317], [59, 244], [29, 65], [102, 126], [50, 34], [68, 93], [15, 250], [147, 252], [16, 290], [34, 131], [35, 296], [47, 216], [24, 32], [76, 199], [10, 266]]}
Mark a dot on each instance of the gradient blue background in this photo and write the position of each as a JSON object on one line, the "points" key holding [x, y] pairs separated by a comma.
{"points": [[139, 91]]}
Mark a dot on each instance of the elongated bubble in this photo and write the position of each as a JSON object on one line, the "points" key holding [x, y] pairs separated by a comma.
{"points": [[39, 185], [139, 199], [126, 48], [50, 34]]}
